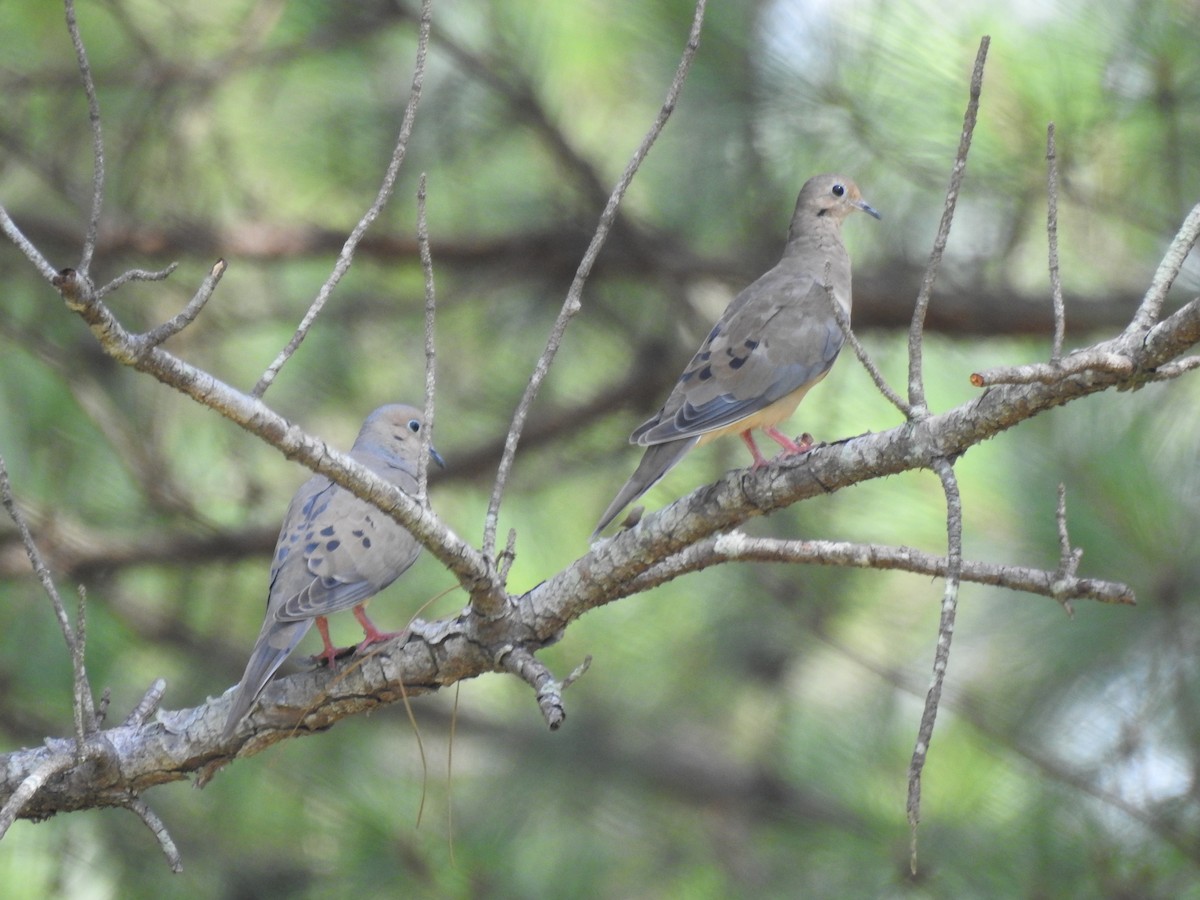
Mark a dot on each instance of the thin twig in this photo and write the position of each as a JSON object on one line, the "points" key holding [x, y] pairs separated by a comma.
{"points": [[736, 546], [430, 347], [89, 89], [1052, 373], [135, 275], [346, 256], [14, 234], [83, 708], [1175, 369], [1172, 262], [85, 721], [941, 656], [916, 378], [1068, 557], [188, 315], [573, 302], [147, 706], [508, 557], [860, 351], [1060, 316], [533, 671], [139, 808]]}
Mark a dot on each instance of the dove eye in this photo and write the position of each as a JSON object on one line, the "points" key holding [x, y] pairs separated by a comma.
{"points": [[414, 426], [839, 190]]}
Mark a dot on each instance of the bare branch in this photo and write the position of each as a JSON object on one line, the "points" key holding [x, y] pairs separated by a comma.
{"points": [[139, 808], [1050, 373], [1060, 317], [573, 302], [346, 256], [147, 706], [89, 89], [735, 546], [916, 378], [83, 706], [85, 716], [533, 672], [14, 234], [1172, 262], [1175, 369], [1068, 557], [860, 351], [941, 656], [135, 275], [188, 315], [430, 347]]}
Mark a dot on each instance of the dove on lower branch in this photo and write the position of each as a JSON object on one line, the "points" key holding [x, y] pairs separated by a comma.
{"points": [[336, 552], [775, 340]]}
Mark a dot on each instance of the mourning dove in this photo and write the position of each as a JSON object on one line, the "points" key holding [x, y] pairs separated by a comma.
{"points": [[336, 552], [775, 340]]}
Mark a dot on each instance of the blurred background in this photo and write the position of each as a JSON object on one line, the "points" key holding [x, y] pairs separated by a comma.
{"points": [[744, 731]]}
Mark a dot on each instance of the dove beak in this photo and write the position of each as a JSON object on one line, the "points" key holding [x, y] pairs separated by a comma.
{"points": [[867, 208], [437, 457]]}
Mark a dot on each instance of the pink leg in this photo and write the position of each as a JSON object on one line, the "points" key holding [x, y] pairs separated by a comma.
{"points": [[330, 653], [759, 459], [373, 635], [789, 446]]}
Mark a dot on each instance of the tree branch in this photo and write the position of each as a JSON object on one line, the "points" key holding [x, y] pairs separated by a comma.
{"points": [[916, 331], [346, 256], [574, 302]]}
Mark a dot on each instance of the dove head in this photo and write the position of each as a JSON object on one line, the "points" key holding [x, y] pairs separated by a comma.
{"points": [[827, 198], [394, 431]]}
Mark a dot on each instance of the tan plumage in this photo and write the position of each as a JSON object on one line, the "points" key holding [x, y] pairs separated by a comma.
{"points": [[335, 552], [775, 340]]}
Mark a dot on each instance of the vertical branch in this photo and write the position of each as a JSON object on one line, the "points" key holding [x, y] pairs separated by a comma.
{"points": [[89, 89], [85, 715], [346, 256], [573, 302], [430, 349], [1060, 316], [916, 379], [941, 656]]}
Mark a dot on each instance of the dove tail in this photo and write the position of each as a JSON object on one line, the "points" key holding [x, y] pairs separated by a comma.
{"points": [[273, 646], [656, 462]]}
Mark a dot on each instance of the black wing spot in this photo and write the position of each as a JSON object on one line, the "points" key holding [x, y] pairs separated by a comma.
{"points": [[332, 545], [327, 531], [705, 373]]}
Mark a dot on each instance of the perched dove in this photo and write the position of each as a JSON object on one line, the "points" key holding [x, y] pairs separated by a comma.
{"points": [[775, 340], [336, 552]]}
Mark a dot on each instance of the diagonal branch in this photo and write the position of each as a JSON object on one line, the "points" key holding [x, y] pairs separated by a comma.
{"points": [[573, 302], [916, 332], [346, 256]]}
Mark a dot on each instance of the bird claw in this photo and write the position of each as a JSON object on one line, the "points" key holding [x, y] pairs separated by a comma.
{"points": [[379, 637], [330, 655]]}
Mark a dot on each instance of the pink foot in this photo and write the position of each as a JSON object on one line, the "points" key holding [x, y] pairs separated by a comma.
{"points": [[330, 653], [371, 634], [759, 459], [801, 445]]}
